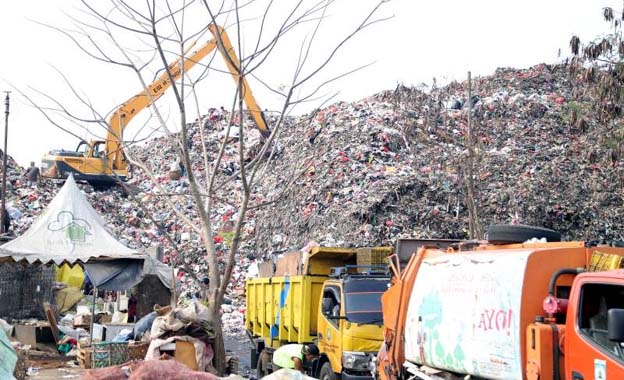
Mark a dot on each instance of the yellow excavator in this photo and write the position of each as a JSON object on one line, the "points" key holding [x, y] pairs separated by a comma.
{"points": [[102, 163]]}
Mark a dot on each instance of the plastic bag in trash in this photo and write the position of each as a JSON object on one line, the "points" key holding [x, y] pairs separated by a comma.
{"points": [[144, 324], [287, 374]]}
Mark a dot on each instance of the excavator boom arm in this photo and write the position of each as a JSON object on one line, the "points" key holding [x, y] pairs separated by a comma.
{"points": [[122, 115], [233, 64]]}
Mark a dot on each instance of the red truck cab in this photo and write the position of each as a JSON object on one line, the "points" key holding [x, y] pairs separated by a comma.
{"points": [[595, 314]]}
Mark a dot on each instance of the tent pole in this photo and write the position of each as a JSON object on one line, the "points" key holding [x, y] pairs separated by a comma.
{"points": [[93, 313], [4, 159], [174, 298]]}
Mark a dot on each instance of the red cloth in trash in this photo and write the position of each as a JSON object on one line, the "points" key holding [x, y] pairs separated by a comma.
{"points": [[149, 370], [169, 370]]}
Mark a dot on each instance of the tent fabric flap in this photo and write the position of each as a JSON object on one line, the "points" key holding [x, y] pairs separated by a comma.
{"points": [[119, 275], [155, 267], [68, 231]]}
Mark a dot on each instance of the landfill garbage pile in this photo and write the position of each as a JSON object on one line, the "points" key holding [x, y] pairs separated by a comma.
{"points": [[395, 164], [365, 173]]}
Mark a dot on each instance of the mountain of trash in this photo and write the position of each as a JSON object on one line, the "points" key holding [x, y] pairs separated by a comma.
{"points": [[393, 164]]}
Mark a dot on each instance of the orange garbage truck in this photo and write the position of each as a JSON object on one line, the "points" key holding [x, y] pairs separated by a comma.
{"points": [[521, 306]]}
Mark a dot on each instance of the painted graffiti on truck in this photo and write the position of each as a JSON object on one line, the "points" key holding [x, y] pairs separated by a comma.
{"points": [[463, 319], [496, 319]]}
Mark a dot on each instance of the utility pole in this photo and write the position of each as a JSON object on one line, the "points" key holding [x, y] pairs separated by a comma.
{"points": [[4, 157]]}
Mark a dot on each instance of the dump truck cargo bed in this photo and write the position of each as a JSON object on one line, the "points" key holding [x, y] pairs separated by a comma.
{"points": [[283, 310]]}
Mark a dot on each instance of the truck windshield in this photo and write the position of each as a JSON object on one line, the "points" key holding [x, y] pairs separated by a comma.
{"points": [[363, 299]]}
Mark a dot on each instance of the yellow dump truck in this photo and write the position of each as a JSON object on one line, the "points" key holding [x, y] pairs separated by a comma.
{"points": [[331, 298]]}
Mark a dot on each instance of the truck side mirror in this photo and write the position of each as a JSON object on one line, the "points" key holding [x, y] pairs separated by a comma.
{"points": [[615, 325]]}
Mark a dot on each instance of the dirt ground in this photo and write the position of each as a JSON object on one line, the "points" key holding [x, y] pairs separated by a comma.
{"points": [[240, 346]]}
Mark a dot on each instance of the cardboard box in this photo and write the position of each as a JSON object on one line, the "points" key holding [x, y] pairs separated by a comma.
{"points": [[266, 269], [98, 332], [82, 320], [182, 351], [185, 354], [30, 335], [290, 264]]}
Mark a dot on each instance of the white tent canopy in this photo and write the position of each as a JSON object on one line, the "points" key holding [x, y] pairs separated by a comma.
{"points": [[69, 230]]}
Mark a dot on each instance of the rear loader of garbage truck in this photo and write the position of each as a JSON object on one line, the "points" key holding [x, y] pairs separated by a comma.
{"points": [[326, 299], [535, 310]]}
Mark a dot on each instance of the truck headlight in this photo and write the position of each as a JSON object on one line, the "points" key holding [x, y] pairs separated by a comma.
{"points": [[355, 360]]}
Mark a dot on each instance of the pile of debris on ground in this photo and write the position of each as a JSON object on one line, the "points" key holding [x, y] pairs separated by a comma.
{"points": [[364, 173], [184, 333]]}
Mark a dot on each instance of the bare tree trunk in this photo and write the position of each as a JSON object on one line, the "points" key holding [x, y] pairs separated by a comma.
{"points": [[474, 225], [218, 345]]}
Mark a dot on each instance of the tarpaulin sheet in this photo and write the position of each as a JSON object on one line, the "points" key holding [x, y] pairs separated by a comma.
{"points": [[122, 274], [154, 267], [72, 276], [8, 357]]}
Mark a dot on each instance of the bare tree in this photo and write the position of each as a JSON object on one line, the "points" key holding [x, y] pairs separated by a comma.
{"points": [[597, 67], [149, 35]]}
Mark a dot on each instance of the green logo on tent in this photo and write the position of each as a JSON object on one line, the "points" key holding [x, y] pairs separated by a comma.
{"points": [[76, 230]]}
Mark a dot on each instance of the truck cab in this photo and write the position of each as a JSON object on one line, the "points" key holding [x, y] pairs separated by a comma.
{"points": [[594, 330], [350, 325]]}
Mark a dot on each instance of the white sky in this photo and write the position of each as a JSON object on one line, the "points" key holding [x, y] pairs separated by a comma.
{"points": [[425, 39]]}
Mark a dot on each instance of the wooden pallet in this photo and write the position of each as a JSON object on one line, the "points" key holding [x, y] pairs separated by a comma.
{"points": [[85, 357]]}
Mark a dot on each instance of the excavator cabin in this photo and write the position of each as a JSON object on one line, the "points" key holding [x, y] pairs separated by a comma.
{"points": [[87, 163]]}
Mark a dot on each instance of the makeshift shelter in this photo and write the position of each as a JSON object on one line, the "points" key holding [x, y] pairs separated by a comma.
{"points": [[71, 231], [155, 287]]}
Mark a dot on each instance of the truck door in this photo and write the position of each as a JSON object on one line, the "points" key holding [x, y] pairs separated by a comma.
{"points": [[589, 354], [329, 336]]}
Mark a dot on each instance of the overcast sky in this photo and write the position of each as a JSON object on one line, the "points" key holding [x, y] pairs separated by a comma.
{"points": [[423, 40]]}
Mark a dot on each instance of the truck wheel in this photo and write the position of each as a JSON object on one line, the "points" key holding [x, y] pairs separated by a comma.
{"points": [[518, 233], [327, 373]]}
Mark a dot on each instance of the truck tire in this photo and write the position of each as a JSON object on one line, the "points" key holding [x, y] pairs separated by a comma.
{"points": [[326, 372], [518, 233]]}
